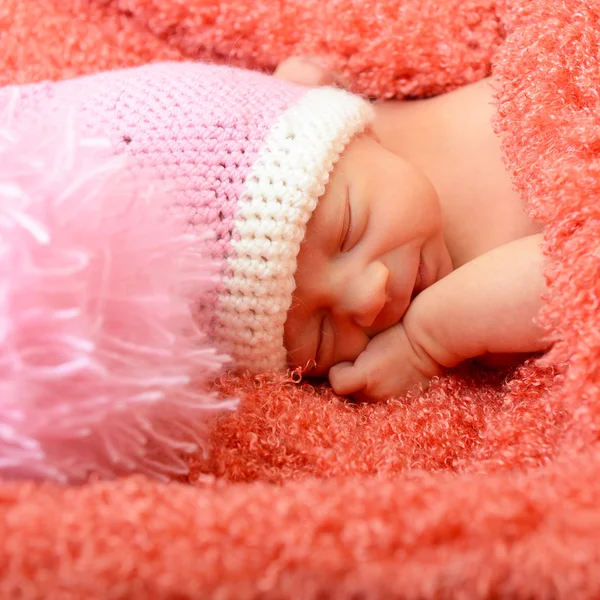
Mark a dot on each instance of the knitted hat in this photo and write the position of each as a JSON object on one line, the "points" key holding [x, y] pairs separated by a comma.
{"points": [[248, 155]]}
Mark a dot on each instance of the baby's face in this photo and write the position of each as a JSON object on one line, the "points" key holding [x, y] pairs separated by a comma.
{"points": [[373, 242]]}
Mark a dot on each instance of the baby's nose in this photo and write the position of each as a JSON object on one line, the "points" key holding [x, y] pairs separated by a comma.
{"points": [[366, 294]]}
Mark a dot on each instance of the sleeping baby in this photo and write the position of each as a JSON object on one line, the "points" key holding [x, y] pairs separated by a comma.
{"points": [[419, 255], [378, 245]]}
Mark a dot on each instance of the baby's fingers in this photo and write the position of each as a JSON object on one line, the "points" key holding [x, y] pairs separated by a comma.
{"points": [[346, 378], [306, 71]]}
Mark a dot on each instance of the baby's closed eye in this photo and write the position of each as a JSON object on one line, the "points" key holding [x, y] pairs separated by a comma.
{"points": [[325, 349], [346, 226]]}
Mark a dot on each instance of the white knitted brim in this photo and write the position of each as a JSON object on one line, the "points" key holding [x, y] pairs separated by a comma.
{"points": [[281, 192]]}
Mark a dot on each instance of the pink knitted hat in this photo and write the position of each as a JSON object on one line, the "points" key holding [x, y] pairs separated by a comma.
{"points": [[246, 154]]}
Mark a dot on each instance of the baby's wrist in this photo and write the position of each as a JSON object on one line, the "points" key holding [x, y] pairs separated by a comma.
{"points": [[423, 348], [421, 323]]}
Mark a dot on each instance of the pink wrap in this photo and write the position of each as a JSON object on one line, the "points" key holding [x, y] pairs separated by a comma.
{"points": [[485, 487]]}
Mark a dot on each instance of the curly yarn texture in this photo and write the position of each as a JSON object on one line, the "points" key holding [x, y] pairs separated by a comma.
{"points": [[485, 487]]}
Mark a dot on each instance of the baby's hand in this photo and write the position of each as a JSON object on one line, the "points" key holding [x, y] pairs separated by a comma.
{"points": [[390, 365], [487, 306]]}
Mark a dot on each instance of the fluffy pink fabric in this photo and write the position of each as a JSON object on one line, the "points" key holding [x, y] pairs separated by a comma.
{"points": [[101, 367]]}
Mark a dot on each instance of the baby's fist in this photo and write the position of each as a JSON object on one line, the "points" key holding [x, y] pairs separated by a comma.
{"points": [[389, 366]]}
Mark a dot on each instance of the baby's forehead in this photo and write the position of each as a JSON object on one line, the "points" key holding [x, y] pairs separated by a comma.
{"points": [[350, 165], [322, 222]]}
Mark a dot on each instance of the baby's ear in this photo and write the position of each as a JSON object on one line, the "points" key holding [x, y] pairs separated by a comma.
{"points": [[309, 71], [346, 378]]}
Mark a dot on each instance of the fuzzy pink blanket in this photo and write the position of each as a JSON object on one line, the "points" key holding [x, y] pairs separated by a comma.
{"points": [[488, 485]]}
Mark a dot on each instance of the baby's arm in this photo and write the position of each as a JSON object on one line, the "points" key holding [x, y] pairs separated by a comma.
{"points": [[487, 306]]}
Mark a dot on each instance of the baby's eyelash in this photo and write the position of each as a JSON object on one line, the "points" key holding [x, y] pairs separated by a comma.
{"points": [[326, 348], [319, 341], [347, 227]]}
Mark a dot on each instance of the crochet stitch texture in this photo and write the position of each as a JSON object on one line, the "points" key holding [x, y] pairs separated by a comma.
{"points": [[244, 153]]}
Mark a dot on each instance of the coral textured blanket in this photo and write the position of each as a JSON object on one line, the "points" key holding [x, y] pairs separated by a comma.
{"points": [[488, 485]]}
